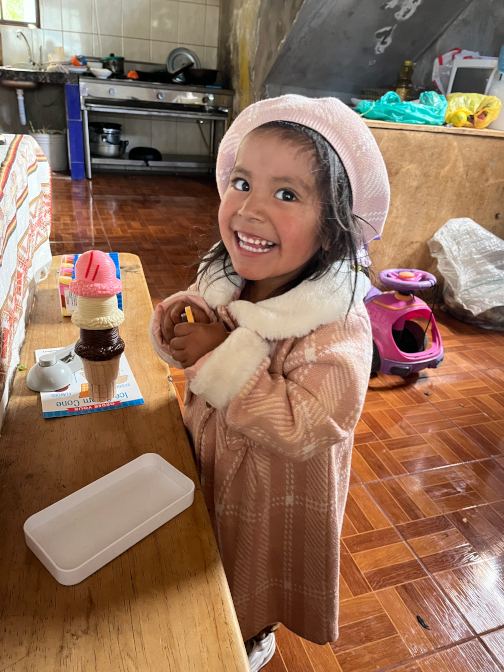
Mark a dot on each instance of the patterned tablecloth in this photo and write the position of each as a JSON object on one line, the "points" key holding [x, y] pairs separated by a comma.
{"points": [[25, 254]]}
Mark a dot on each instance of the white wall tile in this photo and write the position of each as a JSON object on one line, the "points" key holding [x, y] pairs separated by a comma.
{"points": [[136, 18], [37, 42], [137, 130], [191, 29], [198, 50], [51, 15], [189, 139], [78, 16], [164, 20], [212, 26], [51, 40], [109, 17], [110, 45], [161, 50], [164, 136], [154, 29], [110, 118], [136, 50], [14, 48], [210, 60], [77, 44]]}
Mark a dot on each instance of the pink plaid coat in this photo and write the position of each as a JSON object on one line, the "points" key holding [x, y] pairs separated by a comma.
{"points": [[271, 413]]}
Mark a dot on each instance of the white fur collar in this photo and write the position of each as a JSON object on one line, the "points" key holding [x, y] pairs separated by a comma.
{"points": [[293, 314]]}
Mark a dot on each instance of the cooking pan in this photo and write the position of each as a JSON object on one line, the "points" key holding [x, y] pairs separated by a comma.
{"points": [[200, 76], [162, 76]]}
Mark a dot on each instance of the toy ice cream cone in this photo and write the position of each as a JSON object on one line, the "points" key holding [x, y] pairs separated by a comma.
{"points": [[98, 316], [101, 377]]}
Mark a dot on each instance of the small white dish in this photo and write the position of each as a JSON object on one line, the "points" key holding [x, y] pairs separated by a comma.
{"points": [[49, 374], [75, 68], [101, 73]]}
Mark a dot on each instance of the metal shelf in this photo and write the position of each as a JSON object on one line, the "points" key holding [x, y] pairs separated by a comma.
{"points": [[170, 161], [151, 111]]}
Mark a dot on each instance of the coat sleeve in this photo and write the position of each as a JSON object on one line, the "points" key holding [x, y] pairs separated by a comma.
{"points": [[156, 337], [312, 404]]}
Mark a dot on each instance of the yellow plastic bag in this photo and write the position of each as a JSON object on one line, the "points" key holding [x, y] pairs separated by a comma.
{"points": [[473, 110]]}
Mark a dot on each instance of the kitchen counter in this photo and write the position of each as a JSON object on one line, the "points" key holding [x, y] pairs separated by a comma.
{"points": [[436, 174], [162, 605], [40, 76]]}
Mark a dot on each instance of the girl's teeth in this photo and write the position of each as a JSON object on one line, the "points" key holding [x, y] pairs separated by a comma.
{"points": [[255, 241], [253, 249]]}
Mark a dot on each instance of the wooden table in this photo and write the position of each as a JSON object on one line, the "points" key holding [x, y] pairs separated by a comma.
{"points": [[162, 606]]}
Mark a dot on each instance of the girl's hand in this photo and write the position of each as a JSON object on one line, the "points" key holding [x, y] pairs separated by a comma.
{"points": [[172, 316], [193, 341]]}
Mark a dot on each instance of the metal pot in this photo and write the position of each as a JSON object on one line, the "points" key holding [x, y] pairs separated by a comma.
{"points": [[104, 148], [114, 63], [105, 132]]}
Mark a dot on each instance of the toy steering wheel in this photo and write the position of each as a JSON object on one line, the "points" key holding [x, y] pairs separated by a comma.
{"points": [[407, 279]]}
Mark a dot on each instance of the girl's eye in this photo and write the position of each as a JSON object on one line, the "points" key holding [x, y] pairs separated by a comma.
{"points": [[285, 195], [241, 185]]}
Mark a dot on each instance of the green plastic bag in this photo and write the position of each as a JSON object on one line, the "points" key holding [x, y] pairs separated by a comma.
{"points": [[430, 110]]}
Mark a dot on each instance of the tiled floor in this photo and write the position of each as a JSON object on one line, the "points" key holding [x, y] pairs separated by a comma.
{"points": [[422, 587]]}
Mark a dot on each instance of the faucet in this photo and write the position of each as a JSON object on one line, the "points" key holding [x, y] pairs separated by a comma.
{"points": [[20, 35]]}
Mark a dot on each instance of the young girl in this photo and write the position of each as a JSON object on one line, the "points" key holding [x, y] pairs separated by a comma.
{"points": [[278, 359]]}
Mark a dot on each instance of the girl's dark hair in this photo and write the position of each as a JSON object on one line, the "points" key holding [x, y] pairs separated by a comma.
{"points": [[340, 230]]}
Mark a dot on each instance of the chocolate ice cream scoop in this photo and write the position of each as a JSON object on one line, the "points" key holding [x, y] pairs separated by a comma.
{"points": [[99, 346]]}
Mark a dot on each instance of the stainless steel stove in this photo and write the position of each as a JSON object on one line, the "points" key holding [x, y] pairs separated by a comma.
{"points": [[196, 103]]}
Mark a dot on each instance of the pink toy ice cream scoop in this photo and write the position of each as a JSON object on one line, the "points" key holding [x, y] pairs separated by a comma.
{"points": [[95, 276]]}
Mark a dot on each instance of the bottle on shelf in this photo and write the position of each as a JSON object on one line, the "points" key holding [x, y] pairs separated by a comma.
{"points": [[404, 83]]}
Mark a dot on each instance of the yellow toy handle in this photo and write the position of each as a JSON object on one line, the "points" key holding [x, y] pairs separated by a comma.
{"points": [[189, 315]]}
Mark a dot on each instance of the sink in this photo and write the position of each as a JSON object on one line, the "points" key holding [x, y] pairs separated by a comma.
{"points": [[21, 66], [16, 84]]}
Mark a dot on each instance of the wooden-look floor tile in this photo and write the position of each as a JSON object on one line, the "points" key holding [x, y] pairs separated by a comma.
{"points": [[277, 664], [467, 657], [444, 490], [489, 436], [373, 629], [495, 642], [378, 460], [354, 582], [359, 608], [361, 513], [371, 540], [477, 590], [374, 656], [293, 654], [405, 603], [322, 658]]}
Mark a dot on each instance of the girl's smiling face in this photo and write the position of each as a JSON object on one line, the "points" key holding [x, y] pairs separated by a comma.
{"points": [[269, 215]]}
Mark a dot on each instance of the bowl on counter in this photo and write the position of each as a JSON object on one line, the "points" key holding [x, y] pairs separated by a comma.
{"points": [[101, 73], [75, 68]]}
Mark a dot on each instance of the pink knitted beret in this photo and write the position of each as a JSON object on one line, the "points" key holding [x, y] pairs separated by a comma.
{"points": [[342, 128]]}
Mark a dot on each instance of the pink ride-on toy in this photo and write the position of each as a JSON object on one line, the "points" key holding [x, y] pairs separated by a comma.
{"points": [[400, 345]]}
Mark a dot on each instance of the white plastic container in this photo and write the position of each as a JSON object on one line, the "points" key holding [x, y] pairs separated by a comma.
{"points": [[495, 87], [81, 533], [54, 146]]}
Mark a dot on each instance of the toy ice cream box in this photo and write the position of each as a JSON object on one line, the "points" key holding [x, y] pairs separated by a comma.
{"points": [[68, 300]]}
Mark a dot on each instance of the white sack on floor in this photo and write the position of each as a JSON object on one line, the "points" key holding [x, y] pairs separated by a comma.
{"points": [[471, 261]]}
